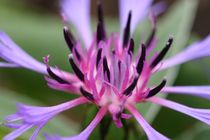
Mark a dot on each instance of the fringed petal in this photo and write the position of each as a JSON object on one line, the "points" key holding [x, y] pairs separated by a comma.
{"points": [[8, 65], [16, 133], [201, 91], [138, 9], [152, 134], [197, 50], [78, 13], [30, 116], [200, 114], [13, 54], [85, 133]]}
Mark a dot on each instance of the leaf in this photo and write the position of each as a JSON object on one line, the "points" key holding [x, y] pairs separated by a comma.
{"points": [[198, 131], [58, 125]]}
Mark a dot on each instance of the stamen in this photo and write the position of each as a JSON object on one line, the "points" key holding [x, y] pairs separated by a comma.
{"points": [[70, 41], [106, 68], [119, 65], [100, 12], [128, 90], [126, 34], [98, 57], [86, 94], [77, 54], [142, 58], [157, 89], [56, 77], [76, 70], [52, 74], [101, 34], [162, 53], [131, 46]]}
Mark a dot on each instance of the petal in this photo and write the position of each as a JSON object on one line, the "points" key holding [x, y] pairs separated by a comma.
{"points": [[36, 132], [201, 91], [200, 114], [2, 64], [16, 133], [138, 8], [29, 116], [35, 114], [152, 134], [13, 54], [86, 132], [197, 50], [78, 13]]}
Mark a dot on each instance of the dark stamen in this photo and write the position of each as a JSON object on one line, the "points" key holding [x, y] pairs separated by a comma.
{"points": [[77, 54], [106, 68], [98, 57], [70, 41], [100, 32], [119, 65], [130, 88], [86, 94], [151, 37], [142, 58], [76, 70], [56, 77], [126, 34], [100, 12], [131, 46], [162, 53], [157, 89]]}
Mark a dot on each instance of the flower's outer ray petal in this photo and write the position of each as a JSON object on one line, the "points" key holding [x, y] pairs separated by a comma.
{"points": [[8, 65], [138, 9], [86, 132], [36, 132], [17, 57], [152, 134], [31, 116], [201, 91], [200, 114], [197, 50], [78, 13], [16, 133], [13, 54]]}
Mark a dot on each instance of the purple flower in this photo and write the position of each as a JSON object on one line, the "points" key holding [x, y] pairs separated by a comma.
{"points": [[108, 73]]}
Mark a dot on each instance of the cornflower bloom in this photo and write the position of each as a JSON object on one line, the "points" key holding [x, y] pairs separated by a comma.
{"points": [[108, 73]]}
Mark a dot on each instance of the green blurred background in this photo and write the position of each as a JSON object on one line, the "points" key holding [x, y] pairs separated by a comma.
{"points": [[37, 27]]}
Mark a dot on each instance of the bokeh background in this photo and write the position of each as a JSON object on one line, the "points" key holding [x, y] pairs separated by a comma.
{"points": [[37, 27]]}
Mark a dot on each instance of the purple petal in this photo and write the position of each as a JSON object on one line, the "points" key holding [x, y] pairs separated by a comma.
{"points": [[16, 133], [152, 134], [13, 54], [138, 8], [2, 64], [36, 132], [197, 50], [201, 91], [30, 116], [200, 114], [34, 114], [78, 13]]}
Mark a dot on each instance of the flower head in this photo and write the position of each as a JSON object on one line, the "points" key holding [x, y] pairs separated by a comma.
{"points": [[107, 72]]}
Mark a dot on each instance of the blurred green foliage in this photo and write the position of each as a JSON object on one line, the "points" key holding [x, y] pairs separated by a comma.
{"points": [[41, 34]]}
